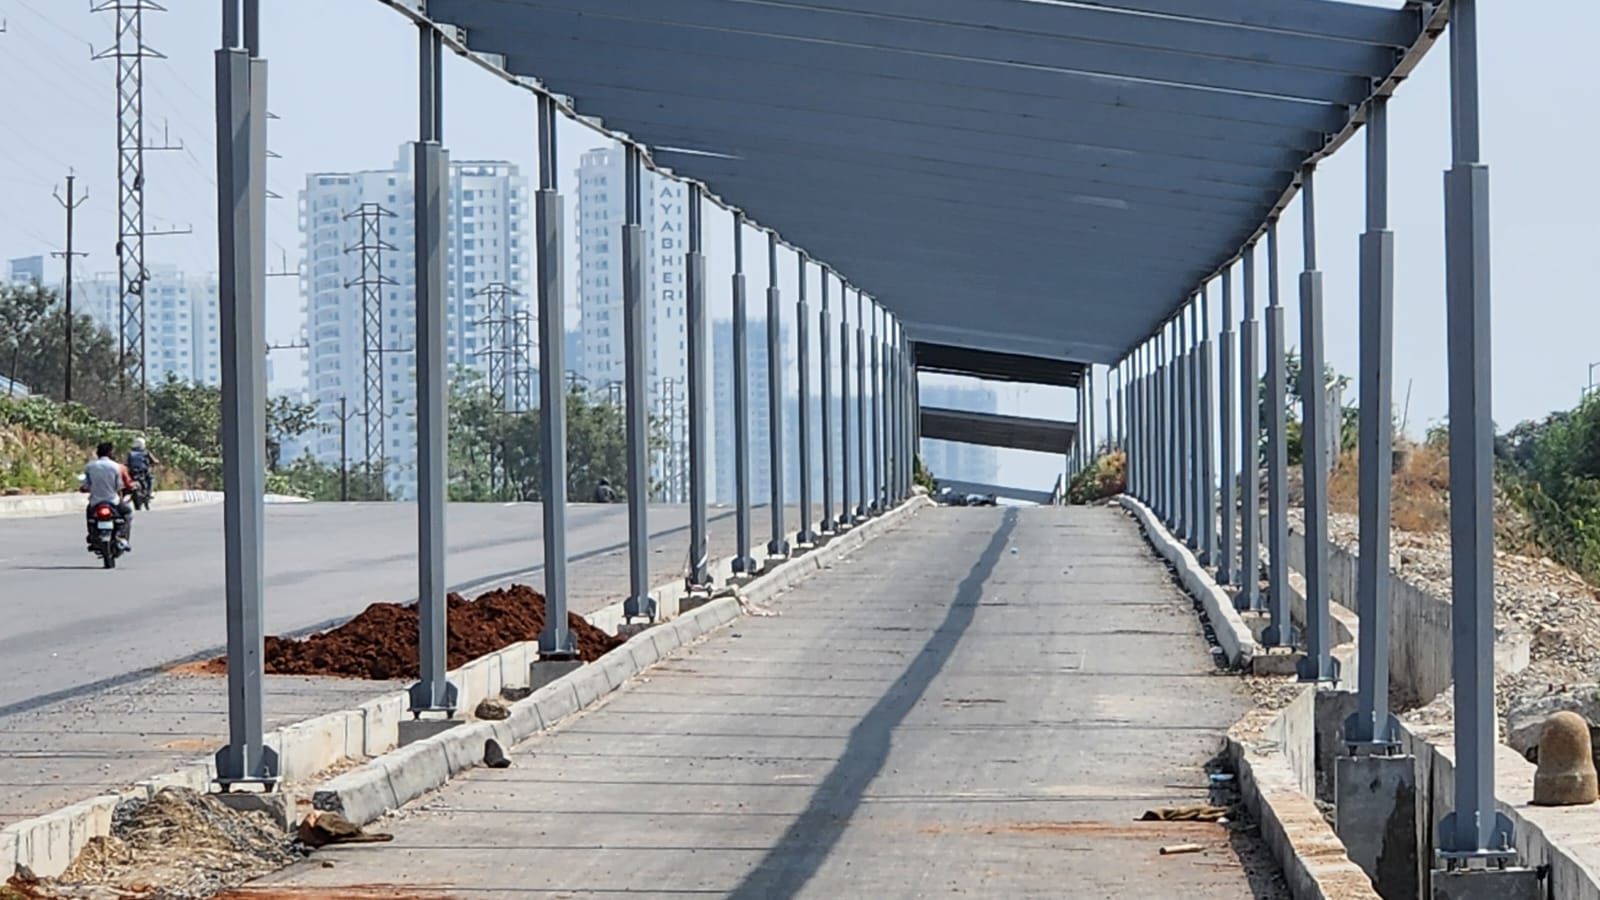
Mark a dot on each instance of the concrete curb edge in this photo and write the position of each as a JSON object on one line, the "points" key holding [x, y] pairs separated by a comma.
{"points": [[1233, 635]]}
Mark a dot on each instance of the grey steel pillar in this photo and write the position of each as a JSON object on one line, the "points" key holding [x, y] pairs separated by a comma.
{"points": [[743, 562], [636, 341], [1281, 633], [241, 100], [1163, 420], [1228, 558], [699, 402], [1372, 725], [1184, 431], [1203, 528], [1318, 665], [846, 410], [824, 331], [778, 545], [864, 507], [1474, 829], [1209, 551], [556, 642], [1193, 499], [1249, 596], [431, 693], [875, 373], [803, 347]]}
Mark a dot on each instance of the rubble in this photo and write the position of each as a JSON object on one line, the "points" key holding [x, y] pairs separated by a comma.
{"points": [[179, 845]]}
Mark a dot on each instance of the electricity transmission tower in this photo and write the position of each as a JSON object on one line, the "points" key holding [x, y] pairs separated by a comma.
{"points": [[499, 346], [129, 52], [524, 329], [372, 282]]}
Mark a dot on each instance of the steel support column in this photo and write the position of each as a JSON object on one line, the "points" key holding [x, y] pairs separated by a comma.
{"points": [[846, 409], [824, 332], [1193, 502], [1165, 425], [1180, 429], [1318, 665], [636, 342], [1372, 725], [743, 562], [864, 506], [241, 119], [1209, 551], [432, 692], [699, 401], [875, 373], [1281, 632], [1197, 448], [1249, 596], [803, 347], [1474, 828], [556, 641], [778, 544], [1228, 559]]}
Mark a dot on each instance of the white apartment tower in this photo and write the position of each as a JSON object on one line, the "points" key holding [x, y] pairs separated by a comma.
{"points": [[182, 327], [601, 363], [487, 238]]}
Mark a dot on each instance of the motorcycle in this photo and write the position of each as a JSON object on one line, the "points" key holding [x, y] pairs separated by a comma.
{"points": [[141, 495], [105, 523]]}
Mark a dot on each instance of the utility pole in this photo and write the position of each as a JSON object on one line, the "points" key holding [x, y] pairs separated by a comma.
{"points": [[344, 416], [130, 52], [69, 204]]}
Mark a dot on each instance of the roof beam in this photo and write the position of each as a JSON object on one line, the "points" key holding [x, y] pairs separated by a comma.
{"points": [[995, 430], [1345, 21], [950, 359]]}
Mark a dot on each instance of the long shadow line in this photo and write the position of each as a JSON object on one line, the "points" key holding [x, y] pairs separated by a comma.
{"points": [[798, 855]]}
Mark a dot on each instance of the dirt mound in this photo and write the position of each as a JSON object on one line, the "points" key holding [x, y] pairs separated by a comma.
{"points": [[180, 845], [380, 644]]}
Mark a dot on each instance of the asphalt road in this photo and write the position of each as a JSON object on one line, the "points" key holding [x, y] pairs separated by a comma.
{"points": [[71, 626]]}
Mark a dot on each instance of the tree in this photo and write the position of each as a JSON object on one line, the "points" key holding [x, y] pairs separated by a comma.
{"points": [[1349, 415], [33, 345], [286, 419]]}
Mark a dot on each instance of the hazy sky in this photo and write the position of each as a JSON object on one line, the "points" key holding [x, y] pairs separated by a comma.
{"points": [[341, 76]]}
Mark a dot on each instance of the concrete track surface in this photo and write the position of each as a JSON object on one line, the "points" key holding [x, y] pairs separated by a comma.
{"points": [[980, 703]]}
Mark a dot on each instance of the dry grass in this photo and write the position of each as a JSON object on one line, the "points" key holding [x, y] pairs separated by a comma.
{"points": [[1420, 499]]}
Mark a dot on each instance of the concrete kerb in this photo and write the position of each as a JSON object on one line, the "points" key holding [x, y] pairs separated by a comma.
{"points": [[1312, 858], [389, 782], [1233, 635], [29, 506]]}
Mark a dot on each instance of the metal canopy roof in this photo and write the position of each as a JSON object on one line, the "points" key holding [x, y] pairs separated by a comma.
{"points": [[1030, 176]]}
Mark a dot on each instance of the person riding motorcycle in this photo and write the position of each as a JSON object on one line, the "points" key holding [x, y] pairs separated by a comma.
{"points": [[603, 492], [108, 481], [140, 462]]}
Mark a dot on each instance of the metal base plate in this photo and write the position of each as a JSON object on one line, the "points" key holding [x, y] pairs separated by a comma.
{"points": [[1363, 738], [1500, 852], [639, 608], [264, 772], [423, 701], [1273, 636], [1307, 670]]}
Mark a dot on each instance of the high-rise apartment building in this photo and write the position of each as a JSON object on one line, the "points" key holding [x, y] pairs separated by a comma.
{"points": [[25, 270], [182, 321], [601, 361], [488, 256]]}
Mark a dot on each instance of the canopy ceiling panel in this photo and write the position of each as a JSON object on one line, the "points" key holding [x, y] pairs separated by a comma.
{"points": [[1038, 177]]}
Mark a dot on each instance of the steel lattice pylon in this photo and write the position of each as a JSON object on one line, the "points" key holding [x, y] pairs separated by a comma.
{"points": [[129, 53], [372, 283]]}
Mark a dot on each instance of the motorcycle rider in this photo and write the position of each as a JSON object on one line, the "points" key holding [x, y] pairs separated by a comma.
{"points": [[603, 492], [140, 462], [108, 481]]}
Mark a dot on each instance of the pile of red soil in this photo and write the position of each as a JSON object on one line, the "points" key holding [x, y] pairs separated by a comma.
{"points": [[381, 643]]}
